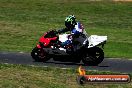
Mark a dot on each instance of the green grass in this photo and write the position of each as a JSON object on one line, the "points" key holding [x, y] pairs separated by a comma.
{"points": [[19, 76], [22, 22]]}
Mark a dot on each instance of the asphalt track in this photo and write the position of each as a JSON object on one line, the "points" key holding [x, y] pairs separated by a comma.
{"points": [[109, 64]]}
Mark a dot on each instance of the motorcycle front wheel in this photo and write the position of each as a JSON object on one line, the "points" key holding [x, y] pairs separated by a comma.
{"points": [[39, 55], [93, 57]]}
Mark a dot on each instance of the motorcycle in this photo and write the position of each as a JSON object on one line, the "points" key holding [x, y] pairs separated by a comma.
{"points": [[88, 49]]}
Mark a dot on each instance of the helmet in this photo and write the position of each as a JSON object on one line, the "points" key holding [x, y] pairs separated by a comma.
{"points": [[70, 21]]}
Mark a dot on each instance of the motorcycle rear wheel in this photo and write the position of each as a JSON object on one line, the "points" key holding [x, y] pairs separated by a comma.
{"points": [[93, 57], [39, 55]]}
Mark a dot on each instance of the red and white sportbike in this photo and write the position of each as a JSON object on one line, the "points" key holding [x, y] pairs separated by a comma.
{"points": [[88, 49]]}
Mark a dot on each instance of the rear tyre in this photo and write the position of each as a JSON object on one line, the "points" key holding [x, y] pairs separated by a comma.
{"points": [[93, 57], [39, 55]]}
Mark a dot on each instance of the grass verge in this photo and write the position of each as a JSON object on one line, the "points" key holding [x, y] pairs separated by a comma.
{"points": [[19, 76]]}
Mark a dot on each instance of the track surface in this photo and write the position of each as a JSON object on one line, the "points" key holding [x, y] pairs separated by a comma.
{"points": [[109, 64]]}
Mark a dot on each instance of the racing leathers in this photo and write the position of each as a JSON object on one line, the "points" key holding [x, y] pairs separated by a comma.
{"points": [[75, 32]]}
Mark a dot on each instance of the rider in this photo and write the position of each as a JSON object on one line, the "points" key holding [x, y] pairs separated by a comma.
{"points": [[74, 27]]}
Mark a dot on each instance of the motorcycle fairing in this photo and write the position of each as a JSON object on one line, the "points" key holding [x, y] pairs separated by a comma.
{"points": [[95, 40], [45, 41], [63, 37]]}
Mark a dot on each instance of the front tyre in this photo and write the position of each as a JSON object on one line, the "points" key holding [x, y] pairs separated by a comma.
{"points": [[39, 55], [93, 57]]}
